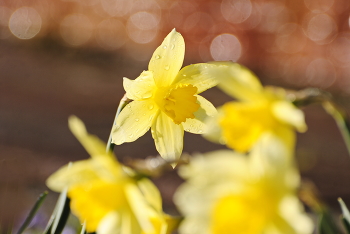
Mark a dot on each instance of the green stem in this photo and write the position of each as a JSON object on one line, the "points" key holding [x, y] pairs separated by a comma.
{"points": [[340, 118], [32, 212], [123, 102]]}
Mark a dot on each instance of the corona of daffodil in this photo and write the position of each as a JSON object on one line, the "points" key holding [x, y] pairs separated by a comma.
{"points": [[104, 194], [227, 192], [239, 124], [166, 100]]}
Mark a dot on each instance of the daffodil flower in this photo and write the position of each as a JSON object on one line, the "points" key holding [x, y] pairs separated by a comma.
{"points": [[227, 192], [239, 124], [166, 100], [104, 194]]}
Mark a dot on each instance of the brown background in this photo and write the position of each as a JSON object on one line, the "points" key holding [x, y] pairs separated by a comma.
{"points": [[45, 79]]}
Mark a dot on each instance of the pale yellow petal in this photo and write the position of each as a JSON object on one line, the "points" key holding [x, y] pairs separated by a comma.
{"points": [[213, 129], [237, 81], [198, 124], [290, 114], [140, 208], [92, 144], [151, 194], [72, 174], [134, 121], [168, 137], [272, 156], [110, 224], [167, 59], [140, 88], [199, 75], [292, 210]]}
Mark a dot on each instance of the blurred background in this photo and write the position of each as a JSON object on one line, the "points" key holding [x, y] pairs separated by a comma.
{"points": [[65, 57]]}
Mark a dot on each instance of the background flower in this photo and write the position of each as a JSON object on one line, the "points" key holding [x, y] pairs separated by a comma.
{"points": [[227, 192], [105, 195], [241, 123]]}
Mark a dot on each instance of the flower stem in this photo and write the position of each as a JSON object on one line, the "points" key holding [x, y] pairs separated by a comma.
{"points": [[340, 118], [32, 212], [123, 102]]}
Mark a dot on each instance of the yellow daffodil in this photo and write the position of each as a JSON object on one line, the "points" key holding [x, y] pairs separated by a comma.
{"points": [[166, 100], [239, 124], [227, 192], [104, 194]]}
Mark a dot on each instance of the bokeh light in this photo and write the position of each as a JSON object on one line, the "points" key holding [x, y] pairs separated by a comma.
{"points": [[111, 34], [236, 11], [319, 6], [226, 47], [117, 7], [285, 40], [25, 23], [76, 29], [320, 73], [320, 27], [142, 27]]}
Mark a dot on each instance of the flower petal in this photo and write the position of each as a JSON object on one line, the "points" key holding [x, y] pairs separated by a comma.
{"points": [[140, 88], [237, 81], [72, 174], [93, 145], [288, 113], [142, 211], [168, 137], [110, 223], [213, 130], [133, 121], [198, 125], [151, 194], [167, 59], [200, 75]]}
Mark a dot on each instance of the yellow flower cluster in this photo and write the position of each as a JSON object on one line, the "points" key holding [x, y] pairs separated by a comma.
{"points": [[258, 110], [249, 189], [104, 194], [228, 192]]}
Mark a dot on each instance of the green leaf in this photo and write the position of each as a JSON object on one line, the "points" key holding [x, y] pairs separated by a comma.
{"points": [[59, 216], [32, 212], [326, 224], [83, 229], [345, 215], [340, 118]]}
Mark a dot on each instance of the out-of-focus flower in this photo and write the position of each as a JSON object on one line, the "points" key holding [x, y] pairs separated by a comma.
{"points": [[104, 194], [227, 192], [166, 100], [239, 124]]}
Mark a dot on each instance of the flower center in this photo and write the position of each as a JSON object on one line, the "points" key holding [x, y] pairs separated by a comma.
{"points": [[179, 102], [243, 123], [92, 202], [245, 213]]}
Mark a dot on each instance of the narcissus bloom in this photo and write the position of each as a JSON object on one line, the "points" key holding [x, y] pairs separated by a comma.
{"points": [[166, 100], [239, 124], [104, 195], [227, 192]]}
